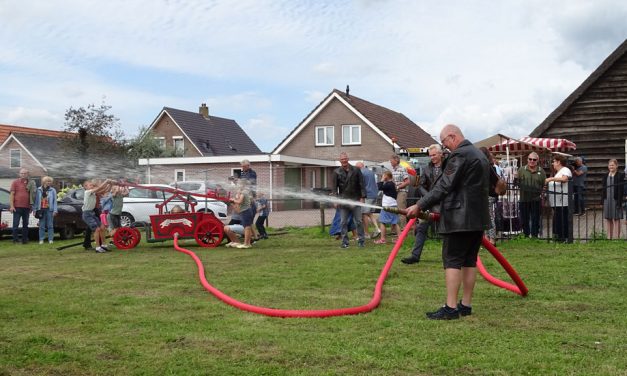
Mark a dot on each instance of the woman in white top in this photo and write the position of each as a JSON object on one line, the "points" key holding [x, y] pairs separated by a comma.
{"points": [[558, 197]]}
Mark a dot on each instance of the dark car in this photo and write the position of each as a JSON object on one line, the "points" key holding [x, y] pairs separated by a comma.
{"points": [[68, 220], [4, 206], [4, 199]]}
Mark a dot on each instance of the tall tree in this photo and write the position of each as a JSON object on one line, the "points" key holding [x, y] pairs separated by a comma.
{"points": [[94, 127]]}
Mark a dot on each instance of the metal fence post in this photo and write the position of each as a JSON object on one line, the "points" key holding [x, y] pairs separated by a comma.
{"points": [[571, 206]]}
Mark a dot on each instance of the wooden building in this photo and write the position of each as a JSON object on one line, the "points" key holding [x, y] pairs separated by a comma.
{"points": [[594, 116]]}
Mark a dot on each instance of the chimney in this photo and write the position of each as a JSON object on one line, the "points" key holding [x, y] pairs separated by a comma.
{"points": [[348, 89], [204, 110]]}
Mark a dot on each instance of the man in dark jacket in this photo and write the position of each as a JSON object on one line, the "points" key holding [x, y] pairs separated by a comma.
{"points": [[348, 184], [462, 191]]}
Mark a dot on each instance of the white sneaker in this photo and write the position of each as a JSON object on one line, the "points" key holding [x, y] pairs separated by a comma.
{"points": [[41, 242], [100, 250], [244, 246], [231, 245], [50, 242]]}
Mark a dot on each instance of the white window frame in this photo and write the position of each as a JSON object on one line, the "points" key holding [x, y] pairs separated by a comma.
{"points": [[312, 175], [161, 141], [327, 129], [174, 140], [19, 158], [350, 133], [323, 178], [176, 172]]}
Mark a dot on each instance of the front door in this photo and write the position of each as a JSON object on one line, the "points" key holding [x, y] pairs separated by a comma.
{"points": [[292, 183]]}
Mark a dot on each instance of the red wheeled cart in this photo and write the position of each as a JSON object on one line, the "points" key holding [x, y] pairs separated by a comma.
{"points": [[204, 227]]}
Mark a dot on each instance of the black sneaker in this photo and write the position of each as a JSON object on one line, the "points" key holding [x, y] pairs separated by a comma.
{"points": [[410, 260], [464, 310], [344, 246], [444, 313]]}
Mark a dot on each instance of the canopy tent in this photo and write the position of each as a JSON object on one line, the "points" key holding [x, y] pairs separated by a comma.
{"points": [[528, 144]]}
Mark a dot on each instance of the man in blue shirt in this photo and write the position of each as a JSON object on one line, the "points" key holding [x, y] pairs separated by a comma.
{"points": [[372, 191]]}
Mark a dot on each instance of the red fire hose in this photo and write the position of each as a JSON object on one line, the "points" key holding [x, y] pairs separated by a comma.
{"points": [[519, 288], [374, 302]]}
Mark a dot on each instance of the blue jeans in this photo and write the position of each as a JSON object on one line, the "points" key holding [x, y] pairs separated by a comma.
{"points": [[344, 211], [21, 213], [46, 223], [421, 237], [530, 218]]}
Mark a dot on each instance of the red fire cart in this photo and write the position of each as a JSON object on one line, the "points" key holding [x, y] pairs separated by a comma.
{"points": [[204, 227]]}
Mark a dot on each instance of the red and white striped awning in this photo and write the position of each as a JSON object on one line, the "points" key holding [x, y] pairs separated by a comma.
{"points": [[537, 144]]}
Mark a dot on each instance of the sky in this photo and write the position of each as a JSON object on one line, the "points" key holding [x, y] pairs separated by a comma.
{"points": [[488, 66]]}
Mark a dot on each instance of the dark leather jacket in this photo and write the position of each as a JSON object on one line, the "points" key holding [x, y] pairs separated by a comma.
{"points": [[462, 191], [427, 181], [349, 184]]}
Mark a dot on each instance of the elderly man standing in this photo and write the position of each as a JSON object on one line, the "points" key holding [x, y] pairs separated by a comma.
{"points": [[401, 179], [348, 184], [21, 200], [530, 179], [250, 175], [462, 190]]}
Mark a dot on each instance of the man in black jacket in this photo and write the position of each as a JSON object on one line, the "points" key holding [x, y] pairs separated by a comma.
{"points": [[462, 191], [348, 184]]}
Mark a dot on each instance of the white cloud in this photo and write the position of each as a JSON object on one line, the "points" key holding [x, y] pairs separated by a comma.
{"points": [[488, 66]]}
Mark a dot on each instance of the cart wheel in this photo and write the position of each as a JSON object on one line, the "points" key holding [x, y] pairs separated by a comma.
{"points": [[209, 233], [126, 237]]}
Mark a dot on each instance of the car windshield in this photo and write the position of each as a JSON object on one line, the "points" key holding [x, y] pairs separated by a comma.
{"points": [[187, 186]]}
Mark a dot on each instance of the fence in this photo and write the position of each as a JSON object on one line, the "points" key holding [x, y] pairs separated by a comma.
{"points": [[556, 215]]}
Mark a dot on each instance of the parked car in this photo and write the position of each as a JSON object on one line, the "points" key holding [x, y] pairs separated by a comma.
{"points": [[67, 222], [198, 186], [141, 203], [4, 206]]}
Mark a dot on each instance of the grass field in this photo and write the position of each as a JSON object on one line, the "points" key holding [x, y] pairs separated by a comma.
{"points": [[143, 312]]}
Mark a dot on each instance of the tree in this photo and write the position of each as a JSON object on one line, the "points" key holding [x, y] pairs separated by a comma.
{"points": [[93, 128], [144, 146]]}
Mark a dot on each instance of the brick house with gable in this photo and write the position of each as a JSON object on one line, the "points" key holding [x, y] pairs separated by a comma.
{"points": [[212, 148]]}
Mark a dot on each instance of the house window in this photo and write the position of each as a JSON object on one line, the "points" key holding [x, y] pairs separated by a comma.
{"points": [[161, 142], [179, 175], [323, 178], [324, 136], [313, 179], [179, 146], [351, 134], [16, 158], [236, 172]]}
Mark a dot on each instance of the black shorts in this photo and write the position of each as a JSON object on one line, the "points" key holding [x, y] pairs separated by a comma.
{"points": [[114, 221], [460, 249]]}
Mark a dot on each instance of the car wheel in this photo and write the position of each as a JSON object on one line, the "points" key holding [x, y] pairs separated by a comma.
{"points": [[126, 220], [67, 232]]}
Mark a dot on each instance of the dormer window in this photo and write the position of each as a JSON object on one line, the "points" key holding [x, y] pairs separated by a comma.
{"points": [[324, 135], [351, 134]]}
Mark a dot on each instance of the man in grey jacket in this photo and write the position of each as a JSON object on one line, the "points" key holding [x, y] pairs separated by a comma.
{"points": [[462, 191], [348, 184], [427, 179]]}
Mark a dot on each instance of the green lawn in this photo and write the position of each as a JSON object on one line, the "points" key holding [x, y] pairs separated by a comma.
{"points": [[144, 312]]}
